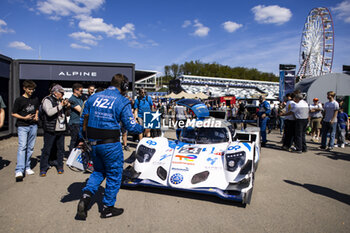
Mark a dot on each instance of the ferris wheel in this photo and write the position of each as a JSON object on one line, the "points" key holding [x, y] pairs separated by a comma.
{"points": [[317, 44]]}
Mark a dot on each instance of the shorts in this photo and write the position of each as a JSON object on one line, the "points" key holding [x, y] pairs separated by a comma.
{"points": [[316, 123]]}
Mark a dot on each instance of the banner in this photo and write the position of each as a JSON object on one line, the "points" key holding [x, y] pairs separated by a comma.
{"points": [[281, 91], [72, 72], [287, 82]]}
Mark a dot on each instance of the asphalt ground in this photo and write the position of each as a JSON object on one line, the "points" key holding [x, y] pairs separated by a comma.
{"points": [[307, 192]]}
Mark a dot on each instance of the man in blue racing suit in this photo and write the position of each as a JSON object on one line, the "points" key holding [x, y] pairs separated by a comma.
{"points": [[105, 109], [263, 114]]}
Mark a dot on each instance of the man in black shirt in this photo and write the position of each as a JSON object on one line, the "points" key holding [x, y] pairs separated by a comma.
{"points": [[25, 109]]}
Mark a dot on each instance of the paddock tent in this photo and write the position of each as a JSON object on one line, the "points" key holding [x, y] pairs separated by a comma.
{"points": [[317, 87]]}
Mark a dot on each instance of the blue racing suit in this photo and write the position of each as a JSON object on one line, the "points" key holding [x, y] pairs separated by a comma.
{"points": [[264, 107], [105, 110]]}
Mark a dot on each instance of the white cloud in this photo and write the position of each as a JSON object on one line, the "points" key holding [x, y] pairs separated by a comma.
{"points": [[186, 23], [201, 30], [77, 46], [343, 11], [139, 45], [3, 27], [91, 24], [231, 26], [85, 37], [59, 8], [271, 14], [19, 45]]}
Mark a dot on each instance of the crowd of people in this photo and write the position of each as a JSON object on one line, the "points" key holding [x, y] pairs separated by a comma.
{"points": [[102, 107]]}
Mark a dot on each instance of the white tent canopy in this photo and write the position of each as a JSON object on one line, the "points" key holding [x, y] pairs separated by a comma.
{"points": [[317, 87]]}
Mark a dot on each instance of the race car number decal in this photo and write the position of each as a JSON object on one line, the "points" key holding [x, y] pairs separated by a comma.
{"points": [[236, 147], [190, 150]]}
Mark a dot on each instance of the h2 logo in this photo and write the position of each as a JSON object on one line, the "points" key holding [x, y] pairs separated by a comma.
{"points": [[103, 103]]}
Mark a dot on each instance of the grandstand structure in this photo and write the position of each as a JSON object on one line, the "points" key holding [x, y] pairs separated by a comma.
{"points": [[216, 87], [146, 79]]}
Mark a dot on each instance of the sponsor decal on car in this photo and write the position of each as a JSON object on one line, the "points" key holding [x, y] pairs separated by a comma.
{"points": [[185, 159], [189, 158], [212, 160], [177, 178], [236, 147], [219, 153], [151, 143], [164, 156], [180, 169]]}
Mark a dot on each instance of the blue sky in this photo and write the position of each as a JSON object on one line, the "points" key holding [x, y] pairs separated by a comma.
{"points": [[254, 34]]}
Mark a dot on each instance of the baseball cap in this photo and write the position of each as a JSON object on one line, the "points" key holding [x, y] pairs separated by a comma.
{"points": [[315, 99], [57, 88]]}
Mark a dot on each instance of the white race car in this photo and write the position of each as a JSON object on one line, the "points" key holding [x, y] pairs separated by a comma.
{"points": [[215, 159]]}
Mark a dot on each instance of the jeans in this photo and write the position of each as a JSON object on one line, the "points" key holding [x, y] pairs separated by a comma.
{"points": [[281, 124], [341, 133], [74, 135], [108, 162], [263, 124], [327, 127], [26, 142], [300, 131], [49, 140]]}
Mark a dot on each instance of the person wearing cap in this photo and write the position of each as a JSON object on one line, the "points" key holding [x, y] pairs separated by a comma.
{"points": [[54, 125], [315, 119]]}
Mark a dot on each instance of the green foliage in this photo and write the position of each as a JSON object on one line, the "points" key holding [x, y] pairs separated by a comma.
{"points": [[215, 70]]}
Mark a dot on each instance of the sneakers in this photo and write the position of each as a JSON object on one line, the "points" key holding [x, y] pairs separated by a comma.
{"points": [[126, 148], [336, 145], [29, 172], [83, 206], [19, 176], [60, 171], [342, 145], [111, 211], [42, 173]]}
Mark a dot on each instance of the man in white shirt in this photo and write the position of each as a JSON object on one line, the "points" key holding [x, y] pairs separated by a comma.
{"points": [[329, 124], [301, 114]]}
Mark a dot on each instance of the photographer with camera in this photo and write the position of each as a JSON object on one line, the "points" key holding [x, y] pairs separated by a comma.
{"points": [[76, 102], [101, 116], [54, 111]]}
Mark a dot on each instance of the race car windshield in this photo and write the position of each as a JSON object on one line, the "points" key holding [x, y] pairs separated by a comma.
{"points": [[204, 135]]}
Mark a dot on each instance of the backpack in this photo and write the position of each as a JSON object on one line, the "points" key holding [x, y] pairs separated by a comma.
{"points": [[41, 111], [139, 102]]}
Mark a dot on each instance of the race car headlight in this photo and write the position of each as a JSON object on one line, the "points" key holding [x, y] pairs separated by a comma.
{"points": [[235, 160], [144, 154]]}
